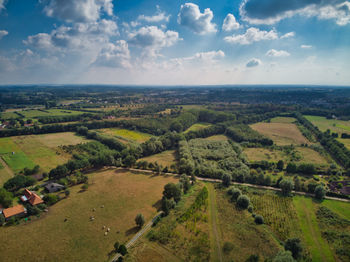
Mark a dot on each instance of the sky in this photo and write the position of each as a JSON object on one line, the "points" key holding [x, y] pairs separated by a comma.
{"points": [[174, 42]]}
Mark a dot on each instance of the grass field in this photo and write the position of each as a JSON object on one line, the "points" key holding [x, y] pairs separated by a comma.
{"points": [[281, 133], [217, 138], [127, 135], [341, 208], [166, 158], [33, 113], [338, 126], [346, 142], [78, 239], [282, 119], [318, 247], [197, 126]]}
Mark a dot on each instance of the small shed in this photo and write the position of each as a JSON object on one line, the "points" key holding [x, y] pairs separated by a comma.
{"points": [[54, 187]]}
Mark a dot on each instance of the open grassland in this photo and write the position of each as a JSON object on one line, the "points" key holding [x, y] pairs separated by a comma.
{"points": [[123, 195], [318, 247], [197, 126], [217, 138], [337, 126], [304, 154], [5, 172], [127, 135], [238, 228], [27, 151], [166, 158], [282, 119], [346, 142], [281, 133], [341, 208]]}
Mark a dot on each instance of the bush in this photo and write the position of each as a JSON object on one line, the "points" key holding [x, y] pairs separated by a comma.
{"points": [[226, 179], [122, 250], [253, 258], [250, 209], [85, 187], [259, 219], [287, 186], [283, 256], [235, 194], [5, 198], [228, 247], [139, 220], [320, 192], [294, 246], [243, 201], [50, 199]]}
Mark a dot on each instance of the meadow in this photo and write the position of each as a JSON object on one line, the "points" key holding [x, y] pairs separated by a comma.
{"points": [[35, 113], [337, 126], [217, 138], [282, 119], [122, 195], [127, 135], [197, 126], [166, 158]]}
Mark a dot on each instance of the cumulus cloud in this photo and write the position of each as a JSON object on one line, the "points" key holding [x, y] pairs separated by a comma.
{"points": [[288, 35], [114, 55], [160, 16], [273, 11], [3, 33], [276, 53], [230, 23], [306, 46], [80, 36], [253, 62], [2, 4], [251, 35], [191, 17], [78, 10]]}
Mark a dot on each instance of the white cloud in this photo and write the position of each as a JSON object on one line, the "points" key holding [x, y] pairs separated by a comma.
{"points": [[230, 23], [78, 10], [3, 33], [273, 11], [160, 16], [2, 4], [253, 62], [114, 55], [251, 35], [201, 57], [288, 35], [306, 46], [191, 17], [153, 39], [276, 53]]}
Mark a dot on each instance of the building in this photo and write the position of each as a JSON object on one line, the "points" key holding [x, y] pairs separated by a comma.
{"points": [[16, 211], [31, 198], [54, 187]]}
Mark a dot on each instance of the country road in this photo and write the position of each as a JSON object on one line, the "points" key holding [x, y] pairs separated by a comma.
{"points": [[138, 235]]}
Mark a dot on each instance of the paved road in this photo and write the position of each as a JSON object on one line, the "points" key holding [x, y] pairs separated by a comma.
{"points": [[138, 235], [243, 184]]}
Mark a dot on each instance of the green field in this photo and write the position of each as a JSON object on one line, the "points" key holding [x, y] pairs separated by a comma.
{"points": [[127, 135], [34, 113], [50, 238], [166, 158], [197, 126], [282, 119], [337, 126]]}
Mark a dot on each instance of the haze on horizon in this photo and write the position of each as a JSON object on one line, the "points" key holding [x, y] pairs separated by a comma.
{"points": [[175, 42]]}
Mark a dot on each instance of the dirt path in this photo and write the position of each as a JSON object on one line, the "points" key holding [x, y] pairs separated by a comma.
{"points": [[217, 254], [6, 170]]}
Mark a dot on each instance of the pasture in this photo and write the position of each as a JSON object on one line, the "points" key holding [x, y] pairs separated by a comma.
{"points": [[337, 126], [50, 238], [281, 133], [166, 158], [127, 135], [197, 126]]}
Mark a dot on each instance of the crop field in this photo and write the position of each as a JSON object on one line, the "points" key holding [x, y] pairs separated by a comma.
{"points": [[166, 158], [281, 133], [122, 194], [337, 126], [318, 247], [127, 135], [238, 228], [197, 126], [27, 151]]}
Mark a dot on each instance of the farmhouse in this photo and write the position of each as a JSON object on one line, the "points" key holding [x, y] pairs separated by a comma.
{"points": [[18, 210], [31, 198], [54, 187]]}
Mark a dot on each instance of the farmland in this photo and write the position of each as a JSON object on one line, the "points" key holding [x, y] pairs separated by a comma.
{"points": [[123, 195], [35, 113], [281, 133], [337, 126], [127, 135], [166, 158]]}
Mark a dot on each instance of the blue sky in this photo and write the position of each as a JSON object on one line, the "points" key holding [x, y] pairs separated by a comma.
{"points": [[175, 42]]}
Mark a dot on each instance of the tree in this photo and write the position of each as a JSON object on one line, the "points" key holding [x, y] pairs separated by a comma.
{"points": [[50, 199], [235, 194], [172, 191], [5, 198], [291, 168], [294, 245], [139, 220], [122, 250], [287, 186], [259, 219], [185, 181], [129, 161], [67, 192], [116, 246], [226, 180], [253, 258], [2, 219], [85, 187], [167, 204], [243, 201], [283, 256], [280, 165], [320, 192]]}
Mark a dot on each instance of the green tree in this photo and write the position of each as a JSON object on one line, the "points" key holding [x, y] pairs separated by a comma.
{"points": [[294, 245], [172, 191], [50, 199], [235, 194], [243, 201], [185, 181], [283, 256], [116, 246], [280, 165], [253, 258], [320, 192], [226, 180], [291, 168], [122, 250], [259, 219], [67, 192], [139, 220], [129, 161], [287, 186], [5, 198]]}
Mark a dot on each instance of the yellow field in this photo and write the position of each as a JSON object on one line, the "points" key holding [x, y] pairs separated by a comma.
{"points": [[127, 135], [197, 126], [281, 133], [166, 158], [78, 239]]}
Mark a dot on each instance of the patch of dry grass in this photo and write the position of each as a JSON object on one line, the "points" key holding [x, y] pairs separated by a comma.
{"points": [[166, 158]]}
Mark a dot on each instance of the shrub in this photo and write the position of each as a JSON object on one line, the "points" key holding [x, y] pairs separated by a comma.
{"points": [[283, 256], [85, 187], [122, 250], [226, 179], [235, 194], [50, 199], [294, 246], [243, 201], [253, 258], [139, 220], [320, 192], [250, 209], [227, 248], [259, 219], [287, 186]]}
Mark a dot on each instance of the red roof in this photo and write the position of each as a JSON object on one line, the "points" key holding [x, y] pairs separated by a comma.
{"points": [[13, 211], [33, 198]]}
